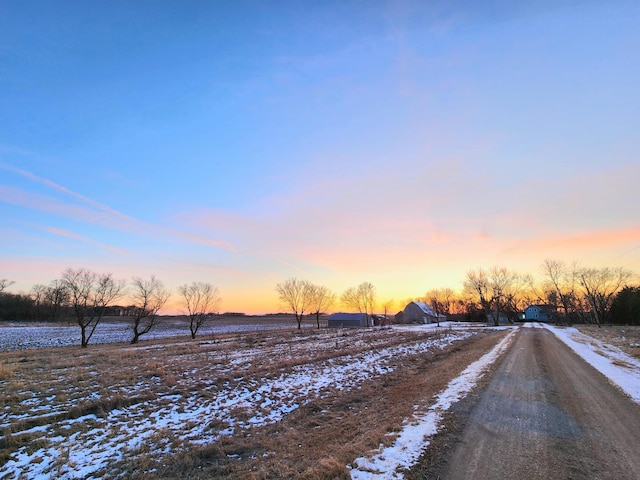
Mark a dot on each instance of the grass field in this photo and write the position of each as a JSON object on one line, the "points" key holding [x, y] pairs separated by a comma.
{"points": [[264, 404], [273, 402]]}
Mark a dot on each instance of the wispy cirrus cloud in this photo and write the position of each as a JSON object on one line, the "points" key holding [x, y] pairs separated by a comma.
{"points": [[44, 181], [88, 210], [81, 238]]}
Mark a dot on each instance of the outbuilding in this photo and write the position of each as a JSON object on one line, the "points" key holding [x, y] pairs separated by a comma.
{"points": [[420, 312], [338, 320]]}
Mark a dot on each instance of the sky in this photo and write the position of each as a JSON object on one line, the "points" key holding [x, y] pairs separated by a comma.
{"points": [[243, 143]]}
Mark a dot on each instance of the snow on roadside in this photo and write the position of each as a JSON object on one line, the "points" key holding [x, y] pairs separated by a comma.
{"points": [[621, 369], [414, 438]]}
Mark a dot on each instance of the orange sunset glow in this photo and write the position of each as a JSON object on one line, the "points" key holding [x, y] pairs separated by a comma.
{"points": [[392, 143]]}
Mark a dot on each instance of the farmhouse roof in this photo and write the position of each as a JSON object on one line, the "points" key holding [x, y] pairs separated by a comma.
{"points": [[543, 307]]}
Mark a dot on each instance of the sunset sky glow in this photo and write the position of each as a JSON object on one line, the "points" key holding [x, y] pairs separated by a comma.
{"points": [[401, 143]]}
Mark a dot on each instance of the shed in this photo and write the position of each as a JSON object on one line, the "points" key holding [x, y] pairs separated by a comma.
{"points": [[420, 312], [337, 320], [503, 319]]}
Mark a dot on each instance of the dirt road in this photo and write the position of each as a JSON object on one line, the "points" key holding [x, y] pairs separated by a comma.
{"points": [[546, 414]]}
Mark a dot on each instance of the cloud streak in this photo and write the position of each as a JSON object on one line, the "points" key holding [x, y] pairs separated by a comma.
{"points": [[585, 240], [81, 238], [91, 211]]}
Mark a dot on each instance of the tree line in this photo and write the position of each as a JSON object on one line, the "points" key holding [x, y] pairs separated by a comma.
{"points": [[576, 294], [86, 297]]}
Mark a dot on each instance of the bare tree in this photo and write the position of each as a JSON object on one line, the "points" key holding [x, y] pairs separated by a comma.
{"points": [[361, 298], [201, 301], [600, 287], [149, 296], [518, 294], [476, 286], [57, 296], [444, 297], [298, 295], [5, 283], [441, 300], [562, 280], [494, 289], [38, 295], [321, 300], [387, 305], [90, 293]]}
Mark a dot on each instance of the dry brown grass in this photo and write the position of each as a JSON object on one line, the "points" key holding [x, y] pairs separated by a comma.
{"points": [[45, 388], [6, 372], [626, 338], [321, 438]]}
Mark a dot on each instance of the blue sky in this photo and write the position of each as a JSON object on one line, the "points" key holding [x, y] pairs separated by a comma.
{"points": [[242, 143]]}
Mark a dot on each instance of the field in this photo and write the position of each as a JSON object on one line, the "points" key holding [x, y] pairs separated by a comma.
{"points": [[273, 402], [623, 337], [266, 404]]}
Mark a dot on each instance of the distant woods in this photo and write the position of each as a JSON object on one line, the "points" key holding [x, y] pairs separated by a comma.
{"points": [[84, 298]]}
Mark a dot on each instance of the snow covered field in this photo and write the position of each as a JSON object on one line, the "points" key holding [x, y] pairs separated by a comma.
{"points": [[23, 336], [160, 414], [208, 389]]}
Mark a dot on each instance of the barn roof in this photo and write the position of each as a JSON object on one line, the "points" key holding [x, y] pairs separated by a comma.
{"points": [[426, 308]]}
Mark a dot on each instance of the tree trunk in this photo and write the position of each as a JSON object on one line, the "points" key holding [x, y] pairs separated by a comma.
{"points": [[85, 341], [136, 334]]}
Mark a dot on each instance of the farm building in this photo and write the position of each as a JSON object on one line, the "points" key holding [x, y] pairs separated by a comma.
{"points": [[503, 319], [338, 320], [539, 313], [420, 312]]}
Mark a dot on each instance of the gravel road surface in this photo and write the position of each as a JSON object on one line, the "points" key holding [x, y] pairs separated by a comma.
{"points": [[546, 414]]}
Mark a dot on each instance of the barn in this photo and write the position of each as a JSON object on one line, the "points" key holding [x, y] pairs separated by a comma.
{"points": [[338, 320], [420, 312]]}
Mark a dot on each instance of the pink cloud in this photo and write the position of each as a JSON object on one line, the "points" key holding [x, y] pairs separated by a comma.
{"points": [[585, 240]]}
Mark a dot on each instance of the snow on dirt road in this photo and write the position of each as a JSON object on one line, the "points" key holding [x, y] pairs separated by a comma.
{"points": [[619, 368], [545, 413], [413, 439]]}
